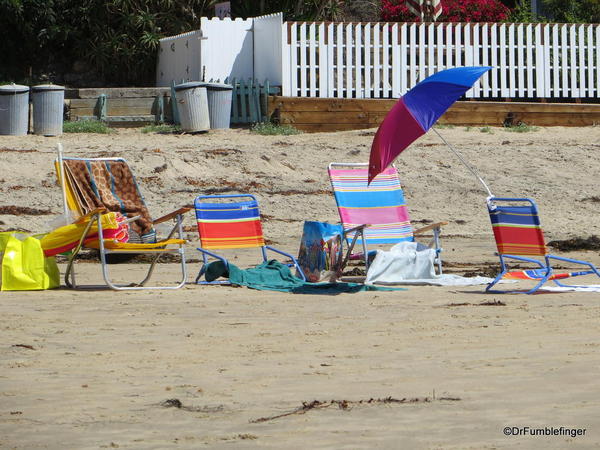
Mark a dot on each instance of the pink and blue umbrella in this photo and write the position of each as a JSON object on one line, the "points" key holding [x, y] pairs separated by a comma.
{"points": [[417, 111]]}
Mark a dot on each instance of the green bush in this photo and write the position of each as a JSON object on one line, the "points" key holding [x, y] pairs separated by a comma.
{"points": [[269, 128], [116, 39], [161, 129], [86, 126], [521, 128]]}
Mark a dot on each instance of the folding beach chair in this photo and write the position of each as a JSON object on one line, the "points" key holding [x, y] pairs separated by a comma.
{"points": [[376, 213], [94, 186], [231, 222], [519, 236]]}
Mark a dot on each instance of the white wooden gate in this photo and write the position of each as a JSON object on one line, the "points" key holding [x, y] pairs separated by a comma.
{"points": [[178, 58], [224, 48]]}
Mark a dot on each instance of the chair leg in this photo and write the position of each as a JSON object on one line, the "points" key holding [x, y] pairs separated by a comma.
{"points": [[438, 249], [504, 270], [205, 255], [70, 272], [202, 270]]}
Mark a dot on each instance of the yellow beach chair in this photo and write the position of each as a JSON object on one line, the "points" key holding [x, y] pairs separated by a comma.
{"points": [[96, 192]]}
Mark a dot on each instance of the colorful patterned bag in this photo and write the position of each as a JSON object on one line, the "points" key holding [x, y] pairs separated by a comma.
{"points": [[320, 252]]}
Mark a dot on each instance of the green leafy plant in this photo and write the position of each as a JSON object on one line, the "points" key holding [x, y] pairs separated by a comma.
{"points": [[521, 127], [118, 39], [86, 126], [521, 13], [292, 9], [269, 128], [486, 130], [161, 129], [572, 11]]}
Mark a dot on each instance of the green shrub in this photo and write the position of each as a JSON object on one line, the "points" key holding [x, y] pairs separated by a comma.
{"points": [[521, 128], [161, 129], [269, 128], [86, 126]]}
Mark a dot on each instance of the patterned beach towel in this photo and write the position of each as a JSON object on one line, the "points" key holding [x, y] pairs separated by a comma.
{"points": [[110, 184]]}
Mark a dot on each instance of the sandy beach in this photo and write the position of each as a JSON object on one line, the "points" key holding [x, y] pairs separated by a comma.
{"points": [[225, 367]]}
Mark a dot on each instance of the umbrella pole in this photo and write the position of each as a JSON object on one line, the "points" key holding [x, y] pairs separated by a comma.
{"points": [[467, 165]]}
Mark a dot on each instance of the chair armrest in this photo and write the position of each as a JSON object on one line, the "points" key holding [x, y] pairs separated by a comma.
{"points": [[172, 215], [432, 226], [357, 228], [90, 214]]}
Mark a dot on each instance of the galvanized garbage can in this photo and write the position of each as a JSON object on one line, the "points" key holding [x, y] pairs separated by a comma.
{"points": [[192, 104], [14, 109], [219, 104], [48, 105]]}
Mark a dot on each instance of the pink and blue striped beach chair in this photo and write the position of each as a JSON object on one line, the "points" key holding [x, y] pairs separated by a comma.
{"points": [[377, 213], [519, 236]]}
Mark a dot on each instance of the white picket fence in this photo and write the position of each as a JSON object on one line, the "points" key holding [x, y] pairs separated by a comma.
{"points": [[384, 60]]}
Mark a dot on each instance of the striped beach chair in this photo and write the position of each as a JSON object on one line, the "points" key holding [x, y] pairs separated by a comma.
{"points": [[93, 187], [230, 222], [519, 236], [376, 213]]}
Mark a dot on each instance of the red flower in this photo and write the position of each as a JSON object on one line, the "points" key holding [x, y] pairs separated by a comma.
{"points": [[452, 11]]}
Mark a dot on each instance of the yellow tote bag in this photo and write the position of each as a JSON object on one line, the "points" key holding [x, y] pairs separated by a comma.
{"points": [[24, 266]]}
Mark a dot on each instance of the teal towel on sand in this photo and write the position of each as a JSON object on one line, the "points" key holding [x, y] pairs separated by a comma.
{"points": [[275, 276]]}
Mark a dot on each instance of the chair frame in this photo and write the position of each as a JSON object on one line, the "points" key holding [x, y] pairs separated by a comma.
{"points": [[545, 264], [176, 216], [263, 248], [359, 230]]}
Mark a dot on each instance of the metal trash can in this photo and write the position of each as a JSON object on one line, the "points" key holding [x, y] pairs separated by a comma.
{"points": [[48, 105], [192, 104], [219, 104], [14, 109]]}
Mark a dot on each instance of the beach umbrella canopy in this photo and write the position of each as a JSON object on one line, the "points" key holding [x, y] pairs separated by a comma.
{"points": [[417, 111]]}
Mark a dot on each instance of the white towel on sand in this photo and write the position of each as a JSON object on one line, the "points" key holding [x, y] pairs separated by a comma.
{"points": [[412, 263]]}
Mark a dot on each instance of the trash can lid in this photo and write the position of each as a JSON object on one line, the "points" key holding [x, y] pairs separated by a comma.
{"points": [[13, 89], [47, 87], [189, 85], [218, 87]]}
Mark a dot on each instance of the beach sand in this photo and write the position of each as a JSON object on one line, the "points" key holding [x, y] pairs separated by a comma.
{"points": [[108, 369]]}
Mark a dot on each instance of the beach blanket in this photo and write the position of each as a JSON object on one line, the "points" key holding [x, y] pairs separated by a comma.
{"points": [[412, 263], [275, 276], [110, 184], [589, 288]]}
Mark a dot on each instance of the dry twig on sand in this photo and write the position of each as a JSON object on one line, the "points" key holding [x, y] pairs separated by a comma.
{"points": [[349, 404]]}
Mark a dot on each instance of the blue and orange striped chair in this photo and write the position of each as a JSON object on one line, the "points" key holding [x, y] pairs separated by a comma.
{"points": [[519, 236], [380, 206], [224, 223]]}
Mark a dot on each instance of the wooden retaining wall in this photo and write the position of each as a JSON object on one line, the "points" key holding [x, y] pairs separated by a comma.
{"points": [[124, 106], [329, 114]]}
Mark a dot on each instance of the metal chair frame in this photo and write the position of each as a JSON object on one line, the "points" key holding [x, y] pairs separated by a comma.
{"points": [[176, 216], [544, 265], [359, 231], [207, 253]]}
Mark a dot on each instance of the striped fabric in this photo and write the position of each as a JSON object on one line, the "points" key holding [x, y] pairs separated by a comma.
{"points": [[538, 274], [380, 204], [517, 230], [422, 8], [229, 225]]}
